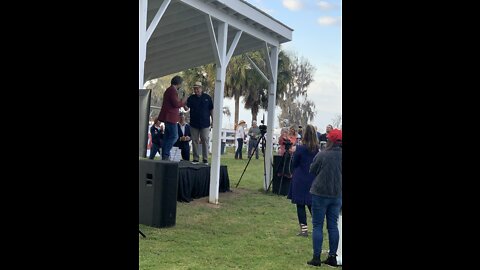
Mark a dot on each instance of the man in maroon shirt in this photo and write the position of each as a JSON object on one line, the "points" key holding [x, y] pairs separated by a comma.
{"points": [[170, 116]]}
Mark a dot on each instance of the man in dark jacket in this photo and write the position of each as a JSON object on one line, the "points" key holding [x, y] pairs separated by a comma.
{"points": [[184, 137], [201, 119], [326, 193], [156, 130]]}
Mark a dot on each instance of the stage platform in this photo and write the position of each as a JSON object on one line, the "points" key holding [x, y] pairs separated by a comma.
{"points": [[194, 180]]}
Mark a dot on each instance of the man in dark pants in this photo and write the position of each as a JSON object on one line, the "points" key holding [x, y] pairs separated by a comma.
{"points": [[201, 111], [156, 130], [183, 142]]}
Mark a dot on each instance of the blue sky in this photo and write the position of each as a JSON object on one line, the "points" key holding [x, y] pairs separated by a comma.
{"points": [[317, 37]]}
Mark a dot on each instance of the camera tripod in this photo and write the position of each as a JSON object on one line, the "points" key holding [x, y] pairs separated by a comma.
{"points": [[263, 130]]}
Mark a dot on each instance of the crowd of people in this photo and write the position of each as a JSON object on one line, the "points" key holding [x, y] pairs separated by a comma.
{"points": [[316, 184], [316, 159]]}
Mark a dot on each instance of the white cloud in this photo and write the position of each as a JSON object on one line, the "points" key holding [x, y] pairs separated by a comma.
{"points": [[327, 20], [324, 5], [293, 4]]}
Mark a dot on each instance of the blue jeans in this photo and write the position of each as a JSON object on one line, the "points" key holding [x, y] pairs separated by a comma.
{"points": [[238, 153], [153, 150], [169, 138], [329, 207]]}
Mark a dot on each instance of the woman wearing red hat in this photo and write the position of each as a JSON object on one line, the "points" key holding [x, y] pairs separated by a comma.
{"points": [[326, 193]]}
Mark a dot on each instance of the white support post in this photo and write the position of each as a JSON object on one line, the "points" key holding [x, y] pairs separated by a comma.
{"points": [[339, 249], [233, 46], [273, 59], [269, 62], [142, 42], [157, 18], [213, 39], [221, 44]]}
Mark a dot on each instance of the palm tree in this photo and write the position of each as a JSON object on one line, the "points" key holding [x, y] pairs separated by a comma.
{"points": [[284, 76], [256, 96], [205, 74], [256, 91], [235, 80]]}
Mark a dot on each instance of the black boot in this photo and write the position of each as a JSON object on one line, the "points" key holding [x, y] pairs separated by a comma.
{"points": [[315, 261], [331, 260]]}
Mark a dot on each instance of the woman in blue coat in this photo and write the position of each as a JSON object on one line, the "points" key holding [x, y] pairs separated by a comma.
{"points": [[302, 179]]}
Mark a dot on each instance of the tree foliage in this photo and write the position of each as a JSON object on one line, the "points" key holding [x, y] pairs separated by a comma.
{"points": [[337, 121], [293, 98], [204, 74], [242, 80]]}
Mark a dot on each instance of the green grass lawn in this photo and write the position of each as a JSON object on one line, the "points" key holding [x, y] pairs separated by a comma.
{"points": [[247, 230]]}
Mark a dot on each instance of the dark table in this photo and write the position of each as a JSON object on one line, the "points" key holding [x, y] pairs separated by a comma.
{"points": [[281, 165], [194, 181]]}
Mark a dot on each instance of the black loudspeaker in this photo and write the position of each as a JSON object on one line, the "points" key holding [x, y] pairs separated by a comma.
{"points": [[158, 187], [278, 162]]}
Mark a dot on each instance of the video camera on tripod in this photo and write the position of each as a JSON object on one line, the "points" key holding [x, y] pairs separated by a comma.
{"points": [[263, 130], [262, 127]]}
